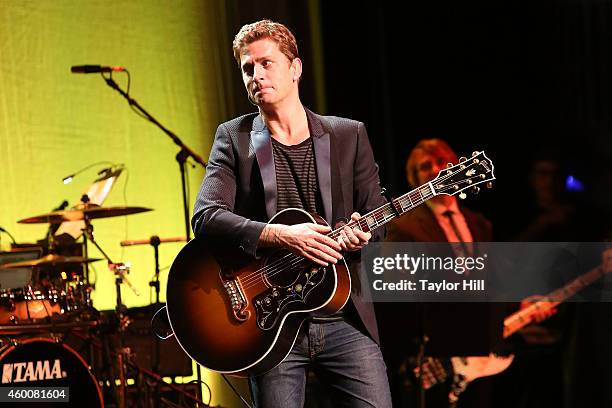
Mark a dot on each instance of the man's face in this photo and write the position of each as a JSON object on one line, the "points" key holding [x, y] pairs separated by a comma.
{"points": [[267, 73], [428, 165]]}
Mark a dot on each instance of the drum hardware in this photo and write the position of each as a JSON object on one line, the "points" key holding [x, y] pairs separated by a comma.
{"points": [[85, 211], [184, 154], [154, 241], [29, 305], [120, 270], [104, 347], [51, 260], [49, 293], [37, 328], [80, 288], [72, 291]]}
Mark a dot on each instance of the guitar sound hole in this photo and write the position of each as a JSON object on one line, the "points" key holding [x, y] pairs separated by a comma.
{"points": [[283, 269]]}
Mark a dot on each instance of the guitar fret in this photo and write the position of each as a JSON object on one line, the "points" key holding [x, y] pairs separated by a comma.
{"points": [[371, 221]]}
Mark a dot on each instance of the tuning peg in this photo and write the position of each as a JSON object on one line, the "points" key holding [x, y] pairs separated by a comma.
{"points": [[489, 185], [449, 165], [474, 154], [462, 159], [462, 195], [475, 189]]}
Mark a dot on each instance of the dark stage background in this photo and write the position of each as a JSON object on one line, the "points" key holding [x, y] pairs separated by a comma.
{"points": [[518, 79]]}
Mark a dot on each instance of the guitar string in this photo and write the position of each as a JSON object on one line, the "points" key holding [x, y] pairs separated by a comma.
{"points": [[280, 264], [273, 267], [410, 196], [278, 267], [374, 213]]}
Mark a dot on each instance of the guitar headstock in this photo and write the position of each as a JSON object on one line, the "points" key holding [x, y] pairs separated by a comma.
{"points": [[467, 174]]}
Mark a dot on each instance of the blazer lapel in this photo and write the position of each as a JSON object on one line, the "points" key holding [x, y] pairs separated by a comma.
{"points": [[321, 142], [260, 139]]}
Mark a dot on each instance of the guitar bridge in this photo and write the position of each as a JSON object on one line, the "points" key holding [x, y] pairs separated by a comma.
{"points": [[272, 304], [237, 298]]}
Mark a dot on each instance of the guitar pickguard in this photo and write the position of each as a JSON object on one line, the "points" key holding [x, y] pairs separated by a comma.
{"points": [[276, 301]]}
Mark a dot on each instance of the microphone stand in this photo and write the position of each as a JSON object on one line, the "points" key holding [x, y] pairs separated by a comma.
{"points": [[182, 156]]}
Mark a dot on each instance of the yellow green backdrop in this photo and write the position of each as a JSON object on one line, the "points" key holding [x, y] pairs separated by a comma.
{"points": [[52, 122]]}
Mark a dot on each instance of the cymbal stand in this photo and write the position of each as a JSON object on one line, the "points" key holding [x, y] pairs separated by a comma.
{"points": [[155, 241], [119, 270], [88, 227]]}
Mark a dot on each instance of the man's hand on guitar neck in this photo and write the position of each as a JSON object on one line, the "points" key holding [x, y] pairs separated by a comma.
{"points": [[310, 240], [353, 239], [543, 310]]}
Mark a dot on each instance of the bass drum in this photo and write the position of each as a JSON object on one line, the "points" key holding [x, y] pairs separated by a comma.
{"points": [[42, 362]]}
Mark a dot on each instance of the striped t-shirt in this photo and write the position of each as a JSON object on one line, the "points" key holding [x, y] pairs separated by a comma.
{"points": [[296, 176], [297, 187]]}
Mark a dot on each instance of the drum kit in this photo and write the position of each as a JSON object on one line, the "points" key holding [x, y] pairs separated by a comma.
{"points": [[55, 302]]}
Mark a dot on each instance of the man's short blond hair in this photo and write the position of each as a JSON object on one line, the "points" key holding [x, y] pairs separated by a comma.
{"points": [[263, 29]]}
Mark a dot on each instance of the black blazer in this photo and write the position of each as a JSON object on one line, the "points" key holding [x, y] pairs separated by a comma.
{"points": [[420, 225], [238, 195]]}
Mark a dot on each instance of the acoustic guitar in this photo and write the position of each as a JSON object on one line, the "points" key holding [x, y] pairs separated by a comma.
{"points": [[244, 320]]}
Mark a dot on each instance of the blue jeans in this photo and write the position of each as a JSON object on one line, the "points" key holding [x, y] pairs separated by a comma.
{"points": [[347, 361]]}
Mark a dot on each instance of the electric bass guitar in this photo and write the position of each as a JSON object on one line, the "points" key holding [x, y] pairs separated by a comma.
{"points": [[466, 369], [243, 321]]}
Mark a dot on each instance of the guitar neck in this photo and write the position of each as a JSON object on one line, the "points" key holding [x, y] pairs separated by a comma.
{"points": [[522, 318], [387, 212], [468, 173]]}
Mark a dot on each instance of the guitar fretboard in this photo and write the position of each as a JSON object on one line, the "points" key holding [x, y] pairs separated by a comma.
{"points": [[522, 318], [385, 213]]}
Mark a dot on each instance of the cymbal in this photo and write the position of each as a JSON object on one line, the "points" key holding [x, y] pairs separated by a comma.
{"points": [[50, 260], [81, 212]]}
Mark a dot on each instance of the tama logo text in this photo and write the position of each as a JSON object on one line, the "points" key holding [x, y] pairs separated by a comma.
{"points": [[32, 371]]}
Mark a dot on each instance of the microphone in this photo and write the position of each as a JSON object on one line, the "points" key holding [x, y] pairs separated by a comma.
{"points": [[68, 178], [94, 69]]}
